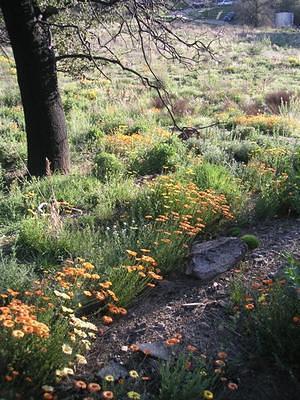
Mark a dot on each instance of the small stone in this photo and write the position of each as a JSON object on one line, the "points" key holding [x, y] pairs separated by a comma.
{"points": [[113, 368], [157, 349]]}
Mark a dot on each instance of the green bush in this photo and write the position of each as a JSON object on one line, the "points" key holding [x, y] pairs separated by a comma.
{"points": [[107, 165], [164, 155], [15, 275], [12, 155], [244, 132], [251, 241], [243, 151]]}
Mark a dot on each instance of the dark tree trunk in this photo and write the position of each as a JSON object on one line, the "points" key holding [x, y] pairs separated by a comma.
{"points": [[37, 77]]}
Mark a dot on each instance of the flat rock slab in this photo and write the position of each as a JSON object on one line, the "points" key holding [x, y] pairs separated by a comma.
{"points": [[212, 258]]}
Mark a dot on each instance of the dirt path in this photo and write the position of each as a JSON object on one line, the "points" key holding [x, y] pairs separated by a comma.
{"points": [[198, 311]]}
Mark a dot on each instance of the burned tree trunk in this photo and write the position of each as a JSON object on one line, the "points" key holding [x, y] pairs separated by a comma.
{"points": [[37, 77]]}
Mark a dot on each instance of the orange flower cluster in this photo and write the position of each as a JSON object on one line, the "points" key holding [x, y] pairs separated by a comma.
{"points": [[176, 339], [266, 122], [146, 265], [21, 317], [75, 271], [116, 310], [189, 207]]}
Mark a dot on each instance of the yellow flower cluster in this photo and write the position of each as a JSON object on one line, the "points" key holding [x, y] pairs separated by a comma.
{"points": [[120, 143], [266, 122]]}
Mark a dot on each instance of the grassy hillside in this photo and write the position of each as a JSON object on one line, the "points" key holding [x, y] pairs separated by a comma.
{"points": [[137, 194]]}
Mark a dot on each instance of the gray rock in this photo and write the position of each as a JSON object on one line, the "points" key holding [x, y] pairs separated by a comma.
{"points": [[113, 368], [211, 258], [157, 349]]}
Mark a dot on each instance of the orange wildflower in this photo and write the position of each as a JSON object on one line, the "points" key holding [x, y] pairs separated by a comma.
{"points": [[191, 348], [93, 387], [249, 306], [222, 355], [145, 250], [220, 363], [131, 253], [48, 396], [106, 285], [267, 282], [296, 319], [232, 386], [17, 334], [107, 320], [134, 347], [107, 395], [172, 341], [80, 385], [101, 296]]}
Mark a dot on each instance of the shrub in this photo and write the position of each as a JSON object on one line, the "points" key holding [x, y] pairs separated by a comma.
{"points": [[180, 107], [42, 339], [15, 275], [252, 107], [244, 132], [275, 100], [94, 134], [180, 383], [163, 155], [12, 154], [243, 151], [219, 179], [251, 241], [107, 165], [269, 317]]}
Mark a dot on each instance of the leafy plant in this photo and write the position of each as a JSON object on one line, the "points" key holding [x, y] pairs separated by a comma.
{"points": [[251, 241], [107, 165], [179, 381]]}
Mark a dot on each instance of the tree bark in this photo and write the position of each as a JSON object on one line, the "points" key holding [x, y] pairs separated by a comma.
{"points": [[46, 131]]}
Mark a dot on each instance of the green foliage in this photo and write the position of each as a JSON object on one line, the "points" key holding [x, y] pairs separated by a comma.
{"points": [[220, 179], [270, 322], [243, 151], [235, 231], [180, 383], [107, 165], [163, 156], [115, 129], [251, 241], [292, 271], [15, 275]]}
